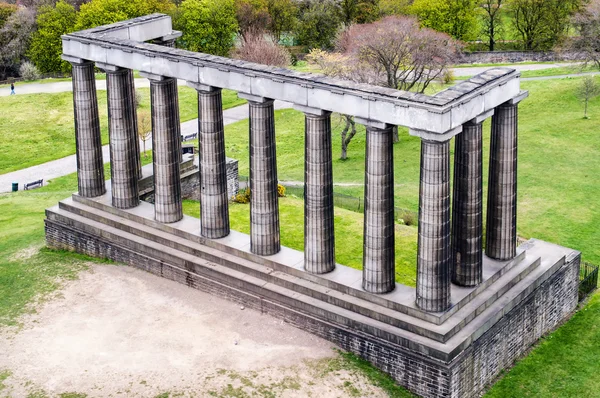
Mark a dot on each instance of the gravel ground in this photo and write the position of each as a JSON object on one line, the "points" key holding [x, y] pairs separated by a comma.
{"points": [[121, 332]]}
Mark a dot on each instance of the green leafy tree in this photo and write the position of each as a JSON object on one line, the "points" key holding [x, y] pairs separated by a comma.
{"points": [[103, 12], [318, 25], [491, 21], [208, 26], [358, 11], [283, 15], [394, 7], [458, 18], [46, 45]]}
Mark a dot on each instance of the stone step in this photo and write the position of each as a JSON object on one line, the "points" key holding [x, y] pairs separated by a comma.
{"points": [[381, 313], [343, 279]]}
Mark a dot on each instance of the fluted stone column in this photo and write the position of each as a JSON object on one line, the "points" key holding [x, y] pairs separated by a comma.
{"points": [[90, 166], [501, 227], [166, 144], [379, 234], [433, 262], [135, 123], [319, 237], [214, 208], [264, 202], [467, 207], [123, 164]]}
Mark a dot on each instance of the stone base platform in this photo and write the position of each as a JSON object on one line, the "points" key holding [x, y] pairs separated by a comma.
{"points": [[451, 354]]}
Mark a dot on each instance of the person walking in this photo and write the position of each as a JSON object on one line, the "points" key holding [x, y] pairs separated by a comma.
{"points": [[12, 89]]}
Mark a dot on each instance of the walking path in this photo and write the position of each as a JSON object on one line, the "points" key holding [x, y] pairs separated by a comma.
{"points": [[68, 165]]}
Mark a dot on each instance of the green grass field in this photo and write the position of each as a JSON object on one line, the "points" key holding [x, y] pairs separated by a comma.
{"points": [[41, 125]]}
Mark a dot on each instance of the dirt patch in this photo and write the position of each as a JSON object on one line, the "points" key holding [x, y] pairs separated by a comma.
{"points": [[118, 331], [26, 254]]}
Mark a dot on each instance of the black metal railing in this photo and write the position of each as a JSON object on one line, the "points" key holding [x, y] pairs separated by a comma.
{"points": [[588, 279]]}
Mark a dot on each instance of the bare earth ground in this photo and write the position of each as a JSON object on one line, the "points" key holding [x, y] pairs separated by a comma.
{"points": [[121, 332]]}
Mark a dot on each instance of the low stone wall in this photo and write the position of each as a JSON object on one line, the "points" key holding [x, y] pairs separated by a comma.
{"points": [[466, 376], [190, 182], [499, 57]]}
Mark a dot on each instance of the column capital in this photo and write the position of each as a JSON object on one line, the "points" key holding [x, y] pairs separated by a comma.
{"points": [[203, 87], [74, 60], [311, 111], [431, 136], [255, 98], [522, 95], [108, 68], [481, 118], [373, 124], [154, 77]]}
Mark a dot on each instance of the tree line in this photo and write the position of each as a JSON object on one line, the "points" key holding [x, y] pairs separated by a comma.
{"points": [[245, 28]]}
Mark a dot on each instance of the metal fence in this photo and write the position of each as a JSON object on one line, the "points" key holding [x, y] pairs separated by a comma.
{"points": [[588, 279]]}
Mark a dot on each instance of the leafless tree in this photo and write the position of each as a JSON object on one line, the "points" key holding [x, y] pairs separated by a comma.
{"points": [[14, 40], [587, 43], [587, 90], [393, 52], [262, 49], [492, 20]]}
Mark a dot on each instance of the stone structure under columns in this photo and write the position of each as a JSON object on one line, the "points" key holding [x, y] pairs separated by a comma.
{"points": [[438, 339]]}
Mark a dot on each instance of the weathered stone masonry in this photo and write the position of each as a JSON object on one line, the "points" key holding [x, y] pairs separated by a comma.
{"points": [[472, 313]]}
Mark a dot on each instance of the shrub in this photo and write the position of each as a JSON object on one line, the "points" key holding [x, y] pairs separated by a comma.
{"points": [[262, 49], [28, 71], [280, 190], [242, 196]]}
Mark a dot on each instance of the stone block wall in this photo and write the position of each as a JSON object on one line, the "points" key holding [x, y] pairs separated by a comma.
{"points": [[466, 376], [497, 57]]}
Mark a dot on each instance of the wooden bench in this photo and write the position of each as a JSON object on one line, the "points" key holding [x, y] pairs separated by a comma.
{"points": [[189, 137], [34, 184]]}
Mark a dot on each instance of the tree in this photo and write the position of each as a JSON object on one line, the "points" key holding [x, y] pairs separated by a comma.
{"points": [[262, 49], [6, 10], [358, 11], [492, 20], [458, 18], [587, 90], [318, 25], [252, 16], [14, 36], [103, 12], [393, 52], [587, 23], [46, 45], [208, 26], [542, 23], [394, 7], [144, 125], [283, 17]]}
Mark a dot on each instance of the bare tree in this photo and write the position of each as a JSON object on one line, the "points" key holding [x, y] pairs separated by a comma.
{"points": [[14, 40], [144, 125], [587, 90], [262, 49], [393, 52], [587, 43], [492, 20]]}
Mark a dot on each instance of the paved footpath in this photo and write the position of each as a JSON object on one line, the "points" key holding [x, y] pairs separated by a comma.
{"points": [[68, 165]]}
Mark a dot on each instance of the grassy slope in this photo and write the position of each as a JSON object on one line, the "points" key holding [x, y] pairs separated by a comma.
{"points": [[558, 164], [41, 125]]}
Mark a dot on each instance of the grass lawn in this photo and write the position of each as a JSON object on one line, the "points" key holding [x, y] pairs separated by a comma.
{"points": [[348, 234], [41, 125]]}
